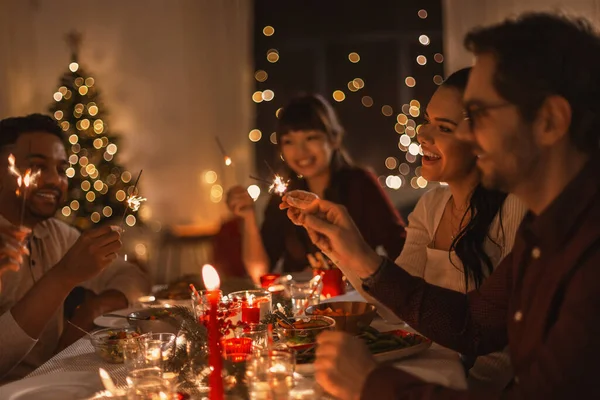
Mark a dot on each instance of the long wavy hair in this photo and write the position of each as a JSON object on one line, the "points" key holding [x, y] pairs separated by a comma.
{"points": [[484, 205]]}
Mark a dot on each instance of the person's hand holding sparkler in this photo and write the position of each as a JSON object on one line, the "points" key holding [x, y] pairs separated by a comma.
{"points": [[240, 203], [295, 201], [12, 247]]}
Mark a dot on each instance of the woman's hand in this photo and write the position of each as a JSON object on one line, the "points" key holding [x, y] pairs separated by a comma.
{"points": [[12, 247], [331, 228], [240, 203]]}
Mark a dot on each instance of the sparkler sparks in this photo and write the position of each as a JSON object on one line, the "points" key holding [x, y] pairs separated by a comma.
{"points": [[134, 202], [279, 185]]}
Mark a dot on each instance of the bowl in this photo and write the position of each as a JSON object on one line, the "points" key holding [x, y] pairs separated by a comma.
{"points": [[155, 320], [305, 331], [356, 314], [108, 343]]}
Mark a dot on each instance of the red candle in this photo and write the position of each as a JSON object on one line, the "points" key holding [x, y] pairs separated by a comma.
{"points": [[237, 349], [268, 279], [251, 314], [333, 283], [215, 358]]}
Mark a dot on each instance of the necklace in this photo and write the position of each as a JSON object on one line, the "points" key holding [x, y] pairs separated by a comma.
{"points": [[458, 217]]}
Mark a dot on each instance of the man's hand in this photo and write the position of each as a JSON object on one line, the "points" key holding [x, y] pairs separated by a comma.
{"points": [[331, 228], [342, 365], [12, 247], [91, 253], [92, 307], [240, 203]]}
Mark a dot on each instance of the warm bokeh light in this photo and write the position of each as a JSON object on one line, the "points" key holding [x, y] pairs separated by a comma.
{"points": [[402, 119], [367, 101], [391, 163], [95, 217], [75, 205], [254, 191], [268, 95], [414, 112], [273, 138], [111, 148], [353, 57], [210, 177], [410, 81], [70, 172], [272, 56], [255, 135], [126, 176], [421, 182], [422, 14], [404, 169], [405, 140], [73, 66], [424, 40], [107, 211], [257, 96], [130, 220], [90, 196], [83, 90], [120, 195], [421, 60], [387, 110], [261, 75], [268, 30], [359, 83], [439, 58], [414, 149], [438, 80], [66, 211], [338, 95], [393, 182]]}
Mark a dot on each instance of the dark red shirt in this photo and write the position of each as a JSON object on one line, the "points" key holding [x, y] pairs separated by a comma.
{"points": [[543, 301], [358, 190]]}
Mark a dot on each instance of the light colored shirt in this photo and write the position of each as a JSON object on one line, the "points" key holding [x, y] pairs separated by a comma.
{"points": [[50, 241], [435, 266]]}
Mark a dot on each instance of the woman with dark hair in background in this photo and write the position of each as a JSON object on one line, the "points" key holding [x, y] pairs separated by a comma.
{"points": [[309, 136], [460, 231]]}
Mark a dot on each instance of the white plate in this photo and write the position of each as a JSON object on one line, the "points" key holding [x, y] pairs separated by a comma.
{"points": [[115, 322], [55, 386], [392, 355]]}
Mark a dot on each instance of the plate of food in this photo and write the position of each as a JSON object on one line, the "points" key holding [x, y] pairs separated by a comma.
{"points": [[58, 385], [115, 319], [385, 346]]}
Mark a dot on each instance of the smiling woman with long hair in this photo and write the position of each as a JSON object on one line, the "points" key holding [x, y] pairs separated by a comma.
{"points": [[309, 137]]}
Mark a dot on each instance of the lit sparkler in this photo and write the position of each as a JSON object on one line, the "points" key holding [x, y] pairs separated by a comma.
{"points": [[133, 201], [279, 185], [24, 181]]}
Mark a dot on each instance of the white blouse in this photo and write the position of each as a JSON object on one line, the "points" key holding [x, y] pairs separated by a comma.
{"points": [[435, 267]]}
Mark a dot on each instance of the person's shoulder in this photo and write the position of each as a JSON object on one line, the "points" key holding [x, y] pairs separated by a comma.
{"points": [[439, 194], [59, 230]]}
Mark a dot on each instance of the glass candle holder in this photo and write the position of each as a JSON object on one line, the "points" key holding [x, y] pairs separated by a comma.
{"points": [[167, 344], [270, 374], [257, 333], [228, 313], [269, 279], [256, 304], [147, 383], [305, 294], [237, 349], [333, 283]]}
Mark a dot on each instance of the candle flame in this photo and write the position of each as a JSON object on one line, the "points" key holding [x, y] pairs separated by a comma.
{"points": [[210, 277], [279, 185], [250, 299], [228, 160], [107, 381], [135, 202]]}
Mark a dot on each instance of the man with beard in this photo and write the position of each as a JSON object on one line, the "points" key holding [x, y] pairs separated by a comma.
{"points": [[61, 259], [533, 115]]}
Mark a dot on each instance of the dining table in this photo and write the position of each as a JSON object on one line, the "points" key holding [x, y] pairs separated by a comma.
{"points": [[436, 364]]}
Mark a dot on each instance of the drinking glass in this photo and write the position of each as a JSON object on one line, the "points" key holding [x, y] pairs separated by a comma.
{"points": [[305, 294], [258, 333], [270, 374]]}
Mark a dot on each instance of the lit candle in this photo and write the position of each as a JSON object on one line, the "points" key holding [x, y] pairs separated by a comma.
{"points": [[250, 311], [215, 360]]}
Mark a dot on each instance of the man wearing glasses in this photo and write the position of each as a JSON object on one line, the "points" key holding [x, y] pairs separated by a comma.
{"points": [[533, 116]]}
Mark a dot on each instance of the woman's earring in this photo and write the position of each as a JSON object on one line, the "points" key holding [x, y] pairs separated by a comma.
{"points": [[281, 156]]}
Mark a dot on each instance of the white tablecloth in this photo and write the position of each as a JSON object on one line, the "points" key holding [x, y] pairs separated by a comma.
{"points": [[436, 365]]}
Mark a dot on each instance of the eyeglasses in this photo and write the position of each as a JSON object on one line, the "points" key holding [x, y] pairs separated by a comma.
{"points": [[470, 115]]}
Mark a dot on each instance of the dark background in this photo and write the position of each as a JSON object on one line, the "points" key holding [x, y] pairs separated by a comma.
{"points": [[314, 38]]}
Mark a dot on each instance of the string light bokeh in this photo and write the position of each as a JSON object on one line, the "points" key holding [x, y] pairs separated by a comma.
{"points": [[379, 80]]}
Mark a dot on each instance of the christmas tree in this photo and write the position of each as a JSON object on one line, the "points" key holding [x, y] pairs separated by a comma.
{"points": [[98, 185]]}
